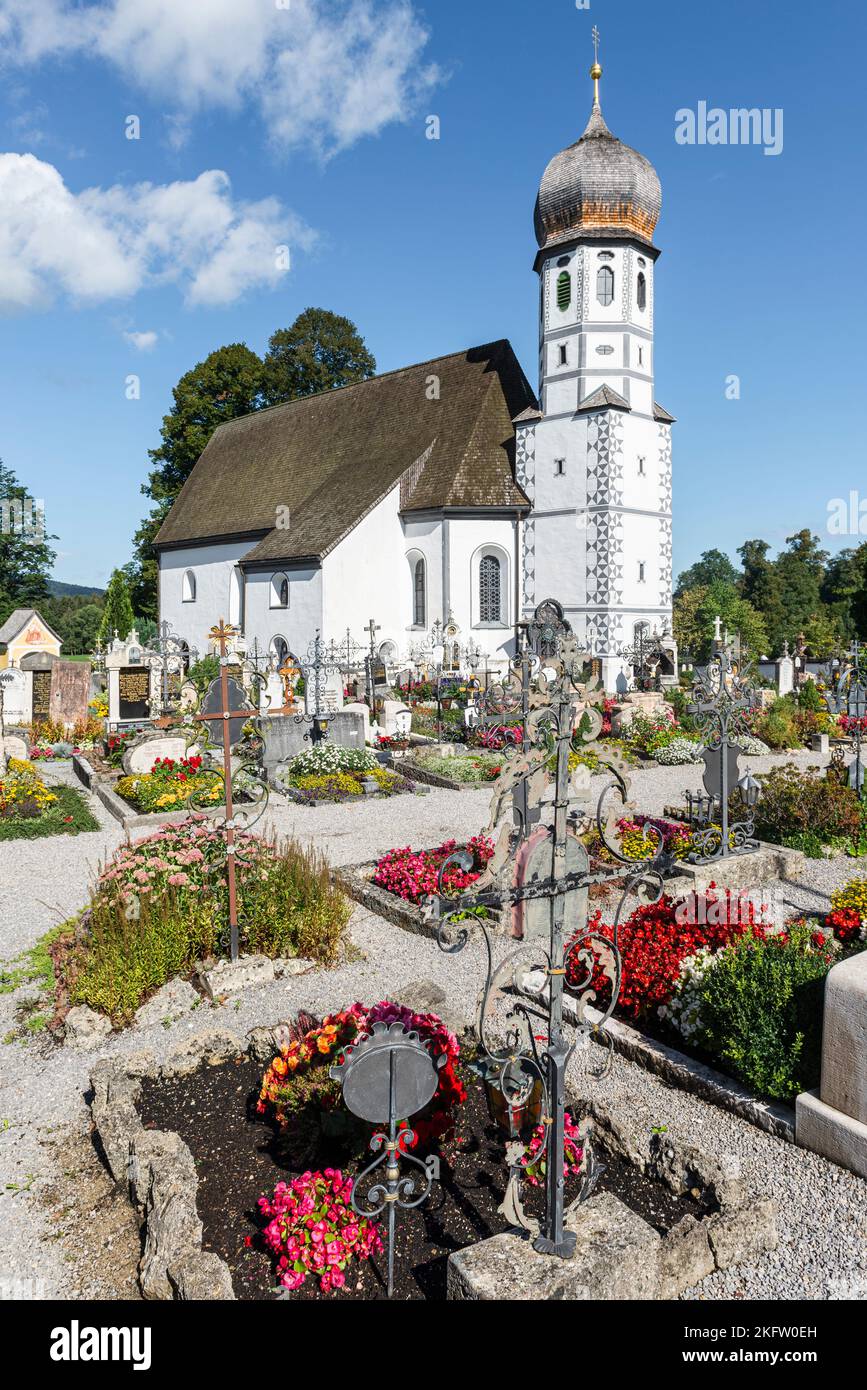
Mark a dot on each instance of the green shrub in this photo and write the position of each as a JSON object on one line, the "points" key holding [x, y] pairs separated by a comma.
{"points": [[778, 727], [135, 944], [795, 803], [761, 1011], [202, 672]]}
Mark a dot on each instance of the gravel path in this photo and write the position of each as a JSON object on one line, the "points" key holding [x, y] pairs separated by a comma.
{"points": [[64, 1232]]}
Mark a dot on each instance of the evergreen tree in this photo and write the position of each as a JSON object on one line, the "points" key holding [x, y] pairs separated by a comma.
{"points": [[26, 557], [117, 614]]}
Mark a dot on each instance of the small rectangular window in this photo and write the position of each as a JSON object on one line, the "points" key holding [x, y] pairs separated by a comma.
{"points": [[641, 571], [564, 355], [641, 466], [559, 467]]}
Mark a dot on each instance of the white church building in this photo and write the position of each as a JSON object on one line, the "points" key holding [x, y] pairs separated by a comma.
{"points": [[448, 491]]}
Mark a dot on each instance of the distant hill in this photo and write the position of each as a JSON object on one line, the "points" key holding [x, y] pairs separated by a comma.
{"points": [[59, 590]]}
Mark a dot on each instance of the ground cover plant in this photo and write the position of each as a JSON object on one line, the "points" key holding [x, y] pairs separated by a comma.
{"points": [[469, 769], [161, 905], [413, 874], [327, 772], [30, 809]]}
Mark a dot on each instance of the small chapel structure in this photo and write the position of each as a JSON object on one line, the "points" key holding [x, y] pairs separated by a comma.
{"points": [[449, 491]]}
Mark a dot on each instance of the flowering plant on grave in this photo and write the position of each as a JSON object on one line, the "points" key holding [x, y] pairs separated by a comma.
{"points": [[414, 874], [535, 1166], [848, 916], [297, 1090], [656, 938], [313, 1230], [23, 792]]}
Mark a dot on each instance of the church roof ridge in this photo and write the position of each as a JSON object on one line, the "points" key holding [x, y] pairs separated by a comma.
{"points": [[603, 396]]}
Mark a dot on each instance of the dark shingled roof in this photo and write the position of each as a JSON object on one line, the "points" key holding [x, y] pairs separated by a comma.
{"points": [[603, 397], [330, 458], [662, 415]]}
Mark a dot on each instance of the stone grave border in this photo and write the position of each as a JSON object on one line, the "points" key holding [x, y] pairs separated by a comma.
{"points": [[158, 1171]]}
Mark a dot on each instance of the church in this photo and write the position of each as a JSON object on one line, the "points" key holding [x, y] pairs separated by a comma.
{"points": [[449, 492]]}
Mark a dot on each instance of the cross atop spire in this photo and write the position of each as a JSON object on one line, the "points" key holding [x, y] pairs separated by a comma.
{"points": [[596, 70]]}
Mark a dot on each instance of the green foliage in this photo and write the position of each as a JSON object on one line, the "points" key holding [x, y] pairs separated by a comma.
{"points": [[117, 614], [795, 803], [68, 815], [76, 619], [696, 609], [713, 568], [319, 352], [809, 697], [761, 1012], [203, 672], [290, 908], [778, 727], [25, 557]]}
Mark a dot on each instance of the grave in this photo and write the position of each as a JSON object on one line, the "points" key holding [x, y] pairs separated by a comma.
{"points": [[833, 1120], [133, 684], [17, 696], [143, 753], [69, 691], [285, 737]]}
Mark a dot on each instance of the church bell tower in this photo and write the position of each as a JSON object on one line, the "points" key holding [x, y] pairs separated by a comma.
{"points": [[595, 460]]}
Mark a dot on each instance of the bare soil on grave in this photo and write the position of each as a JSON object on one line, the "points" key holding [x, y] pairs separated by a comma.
{"points": [[238, 1158]]}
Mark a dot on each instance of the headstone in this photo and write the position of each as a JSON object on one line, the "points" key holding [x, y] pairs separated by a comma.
{"points": [[17, 697], [133, 694], [284, 738], [142, 756], [644, 702], [272, 697], [188, 697], [363, 713], [213, 703], [41, 707], [396, 718], [330, 694], [15, 747], [70, 691], [785, 675], [820, 743]]}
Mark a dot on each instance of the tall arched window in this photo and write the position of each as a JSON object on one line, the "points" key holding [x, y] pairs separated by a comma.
{"points": [[236, 597], [279, 591], [564, 290], [419, 606], [605, 284], [641, 290], [188, 592], [490, 590], [279, 649]]}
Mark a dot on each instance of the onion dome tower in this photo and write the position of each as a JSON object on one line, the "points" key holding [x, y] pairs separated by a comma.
{"points": [[596, 458]]}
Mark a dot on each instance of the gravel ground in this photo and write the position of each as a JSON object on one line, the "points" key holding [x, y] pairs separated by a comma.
{"points": [[64, 1232]]}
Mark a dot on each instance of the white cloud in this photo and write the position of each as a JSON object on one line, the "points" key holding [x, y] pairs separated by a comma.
{"points": [[142, 342], [104, 244], [322, 73]]}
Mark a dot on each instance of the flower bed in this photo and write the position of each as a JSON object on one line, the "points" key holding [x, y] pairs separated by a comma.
{"points": [[710, 972], [171, 785], [810, 813], [414, 874], [330, 773], [161, 905], [462, 769], [30, 810]]}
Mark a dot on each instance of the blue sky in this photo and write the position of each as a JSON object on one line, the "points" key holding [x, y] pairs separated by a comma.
{"points": [[316, 114]]}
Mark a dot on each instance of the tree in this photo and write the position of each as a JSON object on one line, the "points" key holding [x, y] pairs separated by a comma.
{"points": [[319, 352], [800, 570], [226, 384], [26, 557], [713, 568], [117, 614], [695, 614]]}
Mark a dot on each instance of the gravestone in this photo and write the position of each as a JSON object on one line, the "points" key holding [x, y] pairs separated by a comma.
{"points": [[785, 674], [330, 694], [17, 696], [70, 691], [15, 747], [284, 738], [396, 718], [142, 756], [133, 694], [41, 707]]}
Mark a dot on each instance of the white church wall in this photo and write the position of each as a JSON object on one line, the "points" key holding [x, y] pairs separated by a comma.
{"points": [[212, 567], [367, 576], [297, 623], [470, 538]]}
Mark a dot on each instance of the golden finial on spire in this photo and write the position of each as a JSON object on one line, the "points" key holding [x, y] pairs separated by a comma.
{"points": [[595, 71]]}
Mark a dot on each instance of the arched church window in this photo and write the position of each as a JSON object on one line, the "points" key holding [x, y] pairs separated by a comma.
{"points": [[564, 290], [641, 291], [490, 590], [188, 593], [418, 595], [605, 284], [279, 649], [279, 591]]}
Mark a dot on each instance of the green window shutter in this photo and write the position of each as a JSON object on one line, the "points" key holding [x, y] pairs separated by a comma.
{"points": [[564, 290]]}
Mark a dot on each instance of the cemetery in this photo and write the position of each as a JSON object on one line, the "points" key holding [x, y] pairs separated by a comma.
{"points": [[411, 888]]}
